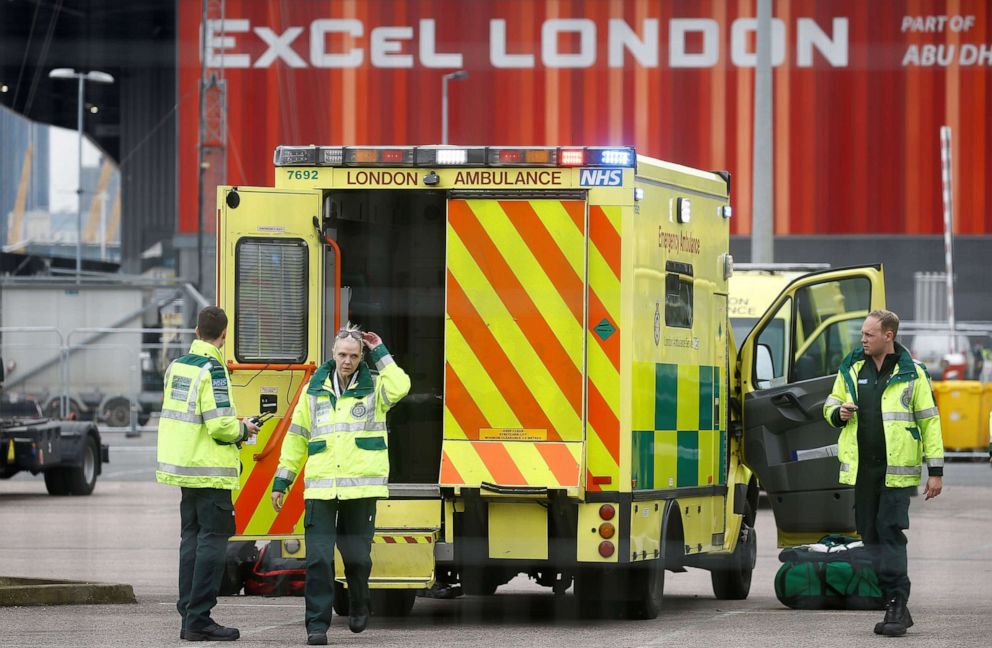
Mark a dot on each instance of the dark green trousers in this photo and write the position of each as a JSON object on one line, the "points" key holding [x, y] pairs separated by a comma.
{"points": [[207, 517], [882, 514], [351, 523]]}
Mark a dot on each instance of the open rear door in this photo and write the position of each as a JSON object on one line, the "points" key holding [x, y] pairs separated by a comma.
{"points": [[787, 367], [514, 344]]}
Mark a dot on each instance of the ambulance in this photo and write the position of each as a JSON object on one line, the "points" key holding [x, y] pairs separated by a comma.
{"points": [[579, 412]]}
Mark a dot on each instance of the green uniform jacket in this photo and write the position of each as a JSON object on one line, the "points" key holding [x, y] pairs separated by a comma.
{"points": [[343, 441], [910, 421], [198, 430]]}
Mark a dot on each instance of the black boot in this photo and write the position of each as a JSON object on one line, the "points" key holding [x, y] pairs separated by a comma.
{"points": [[358, 620], [213, 632], [897, 618]]}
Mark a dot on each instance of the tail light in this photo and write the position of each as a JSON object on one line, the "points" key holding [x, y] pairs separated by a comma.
{"points": [[606, 549]]}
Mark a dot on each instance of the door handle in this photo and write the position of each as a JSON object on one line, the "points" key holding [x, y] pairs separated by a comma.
{"points": [[788, 399]]}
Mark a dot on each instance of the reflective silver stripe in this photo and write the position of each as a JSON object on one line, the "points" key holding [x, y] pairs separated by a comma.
{"points": [[356, 426], [937, 462], [198, 471], [181, 416], [313, 412], [930, 412], [348, 482], [385, 397], [299, 429], [369, 418], [845, 467], [209, 415], [902, 470], [383, 362], [194, 390], [897, 416], [285, 473], [831, 402]]}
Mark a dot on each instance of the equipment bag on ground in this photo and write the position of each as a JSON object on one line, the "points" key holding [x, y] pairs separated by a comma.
{"points": [[275, 575], [835, 573]]}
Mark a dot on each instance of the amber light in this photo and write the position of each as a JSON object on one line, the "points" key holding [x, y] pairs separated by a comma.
{"points": [[606, 549], [366, 155], [607, 530], [606, 511], [541, 157]]}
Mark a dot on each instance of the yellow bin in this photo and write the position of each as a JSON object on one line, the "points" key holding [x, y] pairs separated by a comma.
{"points": [[984, 419], [961, 405]]}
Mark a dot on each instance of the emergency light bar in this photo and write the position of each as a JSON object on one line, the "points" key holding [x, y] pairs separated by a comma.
{"points": [[439, 156]]}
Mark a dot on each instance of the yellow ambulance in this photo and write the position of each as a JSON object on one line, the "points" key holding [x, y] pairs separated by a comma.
{"points": [[577, 408]]}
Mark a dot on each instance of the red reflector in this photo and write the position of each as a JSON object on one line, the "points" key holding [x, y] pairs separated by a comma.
{"points": [[509, 156], [606, 549], [606, 511], [572, 157], [392, 156], [602, 479]]}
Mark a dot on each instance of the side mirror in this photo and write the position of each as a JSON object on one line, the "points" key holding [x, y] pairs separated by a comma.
{"points": [[764, 367]]}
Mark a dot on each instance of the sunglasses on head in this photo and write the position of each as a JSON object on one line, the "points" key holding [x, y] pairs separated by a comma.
{"points": [[345, 333]]}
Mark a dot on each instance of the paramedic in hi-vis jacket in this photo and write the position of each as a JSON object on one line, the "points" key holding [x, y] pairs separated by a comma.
{"points": [[339, 432], [198, 439], [884, 402]]}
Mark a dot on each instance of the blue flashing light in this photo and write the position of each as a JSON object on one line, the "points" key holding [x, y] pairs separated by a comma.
{"points": [[616, 157]]}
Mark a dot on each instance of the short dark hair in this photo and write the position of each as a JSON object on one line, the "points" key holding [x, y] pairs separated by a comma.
{"points": [[888, 320], [211, 323]]}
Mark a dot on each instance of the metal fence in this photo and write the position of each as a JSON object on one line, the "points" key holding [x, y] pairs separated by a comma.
{"points": [[110, 375]]}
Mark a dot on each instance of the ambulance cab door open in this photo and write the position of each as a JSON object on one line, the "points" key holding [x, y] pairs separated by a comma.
{"points": [[787, 367]]}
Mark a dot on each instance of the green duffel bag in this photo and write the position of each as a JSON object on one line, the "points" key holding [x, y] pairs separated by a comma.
{"points": [[828, 575]]}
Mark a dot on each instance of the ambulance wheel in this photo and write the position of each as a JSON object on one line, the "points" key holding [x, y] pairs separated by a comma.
{"points": [[393, 602], [733, 581], [647, 589], [341, 606]]}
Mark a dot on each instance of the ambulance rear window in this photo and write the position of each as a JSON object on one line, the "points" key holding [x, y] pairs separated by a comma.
{"points": [[270, 319]]}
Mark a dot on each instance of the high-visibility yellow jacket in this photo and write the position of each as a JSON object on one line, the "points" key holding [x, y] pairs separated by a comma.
{"points": [[910, 421], [343, 441], [198, 430]]}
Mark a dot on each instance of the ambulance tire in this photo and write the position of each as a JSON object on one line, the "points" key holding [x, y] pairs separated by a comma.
{"points": [[733, 581], [393, 602], [647, 589]]}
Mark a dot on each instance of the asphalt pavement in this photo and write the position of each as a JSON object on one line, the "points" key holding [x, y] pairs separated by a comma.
{"points": [[128, 531]]}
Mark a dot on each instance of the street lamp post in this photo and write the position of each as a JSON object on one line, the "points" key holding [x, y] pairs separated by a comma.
{"points": [[454, 76], [97, 77]]}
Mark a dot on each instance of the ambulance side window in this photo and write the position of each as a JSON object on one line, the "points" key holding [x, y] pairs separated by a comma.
{"points": [[678, 301], [774, 339], [828, 325]]}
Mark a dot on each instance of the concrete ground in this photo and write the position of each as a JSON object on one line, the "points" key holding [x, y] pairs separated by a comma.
{"points": [[128, 531]]}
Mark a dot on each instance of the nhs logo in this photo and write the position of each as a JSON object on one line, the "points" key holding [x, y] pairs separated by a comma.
{"points": [[600, 177]]}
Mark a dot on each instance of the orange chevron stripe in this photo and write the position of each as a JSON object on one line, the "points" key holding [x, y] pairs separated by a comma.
{"points": [[513, 295], [292, 509], [492, 357], [604, 422], [611, 345], [560, 461], [577, 210], [605, 237], [500, 463], [461, 404], [449, 474], [548, 254]]}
